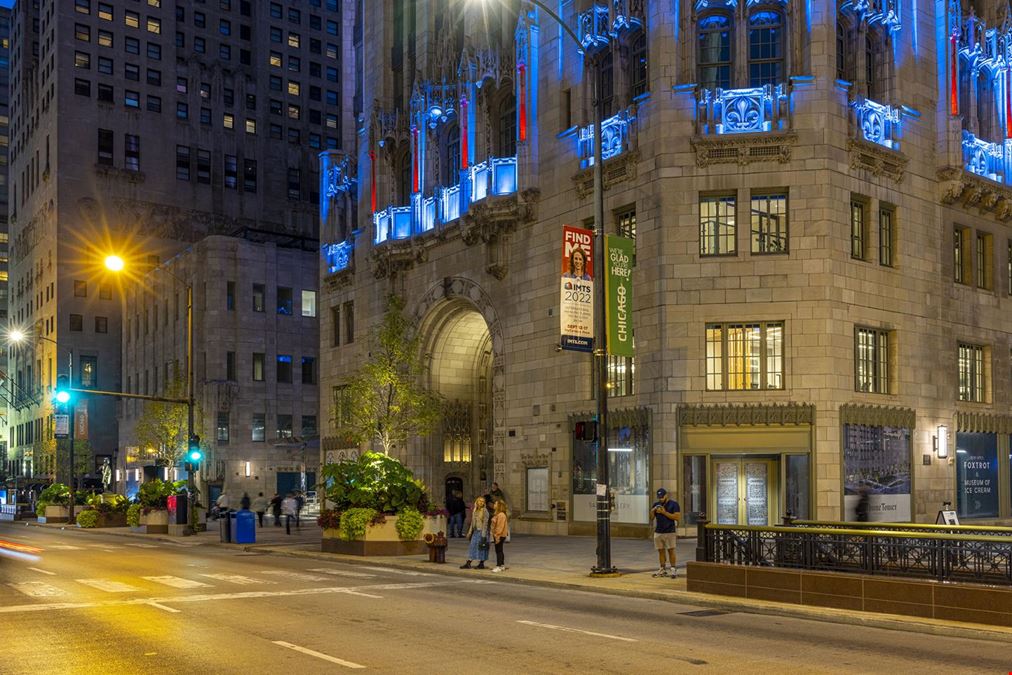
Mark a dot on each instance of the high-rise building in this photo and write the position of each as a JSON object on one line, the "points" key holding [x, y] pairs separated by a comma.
{"points": [[139, 127], [5, 70], [819, 194]]}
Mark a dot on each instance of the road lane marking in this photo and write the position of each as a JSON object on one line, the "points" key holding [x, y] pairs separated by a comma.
{"points": [[297, 576], [37, 589], [108, 585], [358, 591], [63, 547], [238, 579], [576, 630], [319, 655], [41, 571], [177, 582], [342, 573], [391, 570], [141, 545], [163, 607]]}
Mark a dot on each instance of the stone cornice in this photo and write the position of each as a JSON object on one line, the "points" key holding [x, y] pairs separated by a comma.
{"points": [[980, 422], [878, 416], [958, 186], [880, 161], [745, 414]]}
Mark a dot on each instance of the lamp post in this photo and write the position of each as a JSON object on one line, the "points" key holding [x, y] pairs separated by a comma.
{"points": [[600, 355], [63, 398], [115, 263]]}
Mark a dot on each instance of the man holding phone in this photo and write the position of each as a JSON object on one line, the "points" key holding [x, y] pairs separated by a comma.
{"points": [[665, 513]]}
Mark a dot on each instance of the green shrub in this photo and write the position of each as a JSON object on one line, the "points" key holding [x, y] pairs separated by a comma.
{"points": [[134, 515], [373, 481], [87, 518], [355, 521], [57, 493], [155, 494], [409, 524], [108, 503], [40, 509]]}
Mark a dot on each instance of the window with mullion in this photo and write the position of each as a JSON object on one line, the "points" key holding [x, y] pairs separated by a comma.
{"points": [[886, 236], [971, 373], [714, 56], [858, 229], [765, 48], [745, 356], [717, 227], [769, 223], [871, 361]]}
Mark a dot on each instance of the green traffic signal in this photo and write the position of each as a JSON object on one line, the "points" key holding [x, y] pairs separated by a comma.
{"points": [[63, 397], [62, 393], [194, 454]]}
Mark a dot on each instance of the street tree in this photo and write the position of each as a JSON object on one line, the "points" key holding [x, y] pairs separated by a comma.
{"points": [[386, 401], [162, 426]]}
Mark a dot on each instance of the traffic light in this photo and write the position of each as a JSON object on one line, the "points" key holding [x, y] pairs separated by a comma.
{"points": [[194, 454], [585, 431], [61, 395]]}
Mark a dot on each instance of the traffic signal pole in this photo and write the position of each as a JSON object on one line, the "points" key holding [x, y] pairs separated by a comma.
{"points": [[191, 498]]}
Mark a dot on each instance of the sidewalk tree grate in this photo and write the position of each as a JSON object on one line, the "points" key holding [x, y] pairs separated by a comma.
{"points": [[705, 612]]}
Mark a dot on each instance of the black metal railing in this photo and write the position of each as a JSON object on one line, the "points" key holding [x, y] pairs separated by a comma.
{"points": [[981, 530], [941, 556]]}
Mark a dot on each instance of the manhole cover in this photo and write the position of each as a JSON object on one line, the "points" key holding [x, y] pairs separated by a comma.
{"points": [[704, 612]]}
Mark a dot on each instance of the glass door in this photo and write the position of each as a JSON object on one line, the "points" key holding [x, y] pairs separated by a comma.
{"points": [[744, 491]]}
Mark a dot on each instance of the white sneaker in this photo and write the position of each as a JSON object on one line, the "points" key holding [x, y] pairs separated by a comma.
{"points": [[662, 572], [498, 569], [674, 573]]}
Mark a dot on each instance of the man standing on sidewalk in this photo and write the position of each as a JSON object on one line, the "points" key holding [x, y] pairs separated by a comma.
{"points": [[665, 513]]}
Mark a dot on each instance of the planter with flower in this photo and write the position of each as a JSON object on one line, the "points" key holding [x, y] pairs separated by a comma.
{"points": [[53, 505], [377, 506], [104, 510], [153, 498]]}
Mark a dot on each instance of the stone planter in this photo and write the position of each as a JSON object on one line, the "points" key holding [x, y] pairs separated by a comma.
{"points": [[55, 514], [155, 522], [112, 520], [379, 539]]}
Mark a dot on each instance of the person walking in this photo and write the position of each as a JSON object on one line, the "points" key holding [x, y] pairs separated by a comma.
{"points": [[289, 507], [665, 513], [477, 533], [260, 507], [456, 507], [244, 502], [223, 503], [275, 505], [500, 533], [300, 501]]}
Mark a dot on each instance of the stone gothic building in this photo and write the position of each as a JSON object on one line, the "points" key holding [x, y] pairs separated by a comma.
{"points": [[819, 192]]}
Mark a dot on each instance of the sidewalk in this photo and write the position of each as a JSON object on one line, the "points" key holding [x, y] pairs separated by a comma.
{"points": [[308, 534]]}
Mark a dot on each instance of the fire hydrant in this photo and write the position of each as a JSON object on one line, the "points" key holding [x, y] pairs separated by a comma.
{"points": [[437, 547]]}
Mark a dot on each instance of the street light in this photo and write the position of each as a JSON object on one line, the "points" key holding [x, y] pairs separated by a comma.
{"points": [[115, 263], [604, 565]]}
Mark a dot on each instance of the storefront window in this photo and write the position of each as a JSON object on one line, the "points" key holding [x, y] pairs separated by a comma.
{"points": [[977, 475], [877, 463], [693, 488], [797, 496], [628, 471]]}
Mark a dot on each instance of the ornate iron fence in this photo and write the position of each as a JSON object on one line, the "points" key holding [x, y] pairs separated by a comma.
{"points": [[945, 557], [976, 530]]}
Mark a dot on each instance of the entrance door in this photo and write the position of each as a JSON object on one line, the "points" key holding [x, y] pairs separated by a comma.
{"points": [[454, 484], [744, 491]]}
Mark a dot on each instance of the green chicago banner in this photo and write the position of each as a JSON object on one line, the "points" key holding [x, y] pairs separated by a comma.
{"points": [[618, 257]]}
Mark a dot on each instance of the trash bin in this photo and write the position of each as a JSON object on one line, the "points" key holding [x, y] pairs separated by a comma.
{"points": [[225, 525], [245, 527]]}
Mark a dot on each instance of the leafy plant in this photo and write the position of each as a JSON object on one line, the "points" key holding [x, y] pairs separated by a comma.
{"points": [[134, 515], [108, 503], [373, 481], [87, 518], [155, 494], [409, 524], [329, 519], [386, 401], [354, 523], [57, 493]]}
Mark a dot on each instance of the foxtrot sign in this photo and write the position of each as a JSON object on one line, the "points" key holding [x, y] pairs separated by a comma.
{"points": [[576, 312], [618, 256]]}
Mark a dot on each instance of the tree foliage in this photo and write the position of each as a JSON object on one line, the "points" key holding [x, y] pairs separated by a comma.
{"points": [[162, 426], [387, 401]]}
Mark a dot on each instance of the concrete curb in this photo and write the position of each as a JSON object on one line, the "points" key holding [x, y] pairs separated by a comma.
{"points": [[207, 540], [972, 631]]}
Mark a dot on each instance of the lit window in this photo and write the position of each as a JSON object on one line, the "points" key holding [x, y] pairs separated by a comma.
{"points": [[104, 38], [275, 59], [858, 229], [293, 40], [228, 120], [293, 88], [82, 60], [308, 303], [717, 229], [871, 361], [251, 126], [294, 111], [154, 25], [971, 373], [132, 19], [769, 223], [104, 11], [745, 356]]}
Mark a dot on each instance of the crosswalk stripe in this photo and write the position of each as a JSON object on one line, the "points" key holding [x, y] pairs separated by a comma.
{"points": [[37, 589], [108, 585], [63, 547], [42, 571], [391, 570], [141, 545], [177, 582], [342, 573], [237, 579], [299, 576]]}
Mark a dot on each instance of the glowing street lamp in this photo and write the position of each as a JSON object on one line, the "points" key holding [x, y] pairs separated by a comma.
{"points": [[114, 263]]}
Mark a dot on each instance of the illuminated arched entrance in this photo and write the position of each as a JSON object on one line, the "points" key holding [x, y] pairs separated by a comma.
{"points": [[462, 341]]}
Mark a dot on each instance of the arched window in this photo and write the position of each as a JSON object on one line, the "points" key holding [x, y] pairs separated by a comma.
{"points": [[451, 156], [987, 113], [765, 48], [714, 59], [846, 55], [507, 141], [875, 64], [638, 64], [403, 178]]}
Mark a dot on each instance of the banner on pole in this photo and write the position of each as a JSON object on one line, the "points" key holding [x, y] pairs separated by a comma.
{"points": [[62, 424], [576, 311], [618, 257]]}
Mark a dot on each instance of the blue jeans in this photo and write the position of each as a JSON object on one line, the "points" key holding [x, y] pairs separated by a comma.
{"points": [[456, 525]]}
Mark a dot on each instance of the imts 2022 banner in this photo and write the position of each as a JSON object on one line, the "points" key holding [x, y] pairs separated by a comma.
{"points": [[576, 307]]}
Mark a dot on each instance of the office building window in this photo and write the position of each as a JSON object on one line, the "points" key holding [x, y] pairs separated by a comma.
{"points": [[349, 322], [886, 235], [308, 370], [284, 368], [182, 162], [132, 152], [309, 429], [308, 303], [871, 361], [230, 296], [249, 175], [230, 367], [105, 147], [335, 326], [284, 426], [284, 301], [258, 367], [258, 297], [76, 323], [858, 229], [961, 256], [717, 229], [769, 223], [972, 381], [745, 356], [985, 254], [231, 172], [80, 288], [82, 87], [221, 430], [258, 427], [101, 324], [88, 376]]}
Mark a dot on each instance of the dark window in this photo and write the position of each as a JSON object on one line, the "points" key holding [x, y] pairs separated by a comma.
{"points": [[101, 324], [258, 297], [231, 172], [284, 368], [249, 175], [638, 65], [230, 296], [204, 166], [80, 288], [76, 323], [230, 368], [308, 370], [309, 429], [294, 184], [132, 72], [284, 301], [182, 162], [132, 152], [155, 104], [105, 147], [714, 56], [284, 426], [335, 326], [221, 431], [259, 424], [349, 322], [82, 87], [105, 93]]}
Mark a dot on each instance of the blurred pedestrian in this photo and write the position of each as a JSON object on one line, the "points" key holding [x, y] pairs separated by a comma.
{"points": [[500, 535], [300, 501], [863, 502], [260, 507], [477, 533], [289, 507], [456, 507], [275, 505], [244, 502]]}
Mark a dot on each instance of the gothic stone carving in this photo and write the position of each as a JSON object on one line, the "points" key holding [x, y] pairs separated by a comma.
{"points": [[787, 414], [970, 190], [878, 416], [986, 423], [743, 149], [878, 160], [615, 170]]}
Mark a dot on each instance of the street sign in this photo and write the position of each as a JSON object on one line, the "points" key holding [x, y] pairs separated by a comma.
{"points": [[62, 423]]}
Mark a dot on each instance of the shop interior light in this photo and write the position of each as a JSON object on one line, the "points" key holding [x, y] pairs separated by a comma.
{"points": [[620, 449]]}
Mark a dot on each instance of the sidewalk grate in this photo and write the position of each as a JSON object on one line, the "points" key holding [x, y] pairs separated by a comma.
{"points": [[705, 612]]}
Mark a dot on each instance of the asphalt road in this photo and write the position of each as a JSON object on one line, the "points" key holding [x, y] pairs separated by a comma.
{"points": [[106, 604]]}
